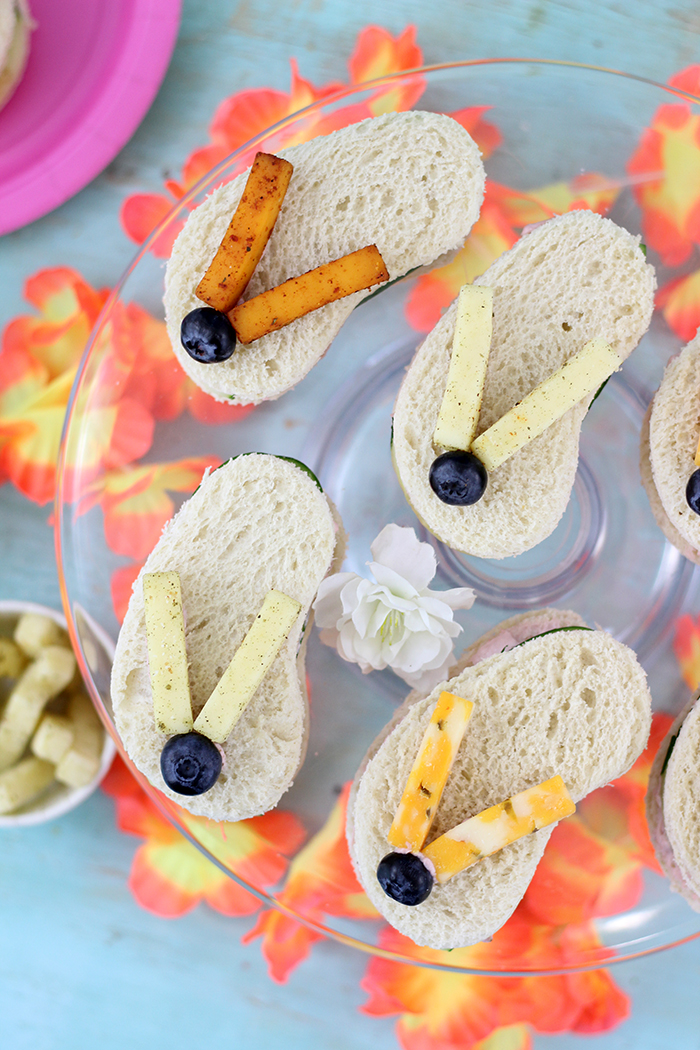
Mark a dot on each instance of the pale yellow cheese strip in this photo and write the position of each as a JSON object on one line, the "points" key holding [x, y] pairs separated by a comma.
{"points": [[248, 667], [459, 412], [498, 826], [167, 655], [431, 768], [579, 376]]}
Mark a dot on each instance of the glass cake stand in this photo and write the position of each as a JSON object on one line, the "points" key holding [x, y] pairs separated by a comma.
{"points": [[607, 559]]}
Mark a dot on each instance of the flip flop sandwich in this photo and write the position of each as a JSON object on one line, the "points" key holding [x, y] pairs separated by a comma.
{"points": [[208, 682], [452, 809], [282, 254], [487, 421]]}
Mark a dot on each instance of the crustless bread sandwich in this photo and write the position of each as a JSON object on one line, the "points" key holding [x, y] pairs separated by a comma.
{"points": [[410, 184], [574, 279], [258, 530], [565, 710]]}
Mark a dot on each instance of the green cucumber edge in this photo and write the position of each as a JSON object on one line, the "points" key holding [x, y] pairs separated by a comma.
{"points": [[669, 752], [554, 630], [288, 459]]}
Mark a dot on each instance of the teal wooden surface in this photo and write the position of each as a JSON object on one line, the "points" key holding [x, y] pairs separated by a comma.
{"points": [[81, 965]]}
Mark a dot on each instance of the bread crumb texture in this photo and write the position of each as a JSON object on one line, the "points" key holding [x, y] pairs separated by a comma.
{"points": [[573, 703], [674, 429], [411, 183], [572, 279], [254, 524]]}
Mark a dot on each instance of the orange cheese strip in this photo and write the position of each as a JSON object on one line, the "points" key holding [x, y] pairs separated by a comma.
{"points": [[498, 826], [287, 302], [248, 232], [431, 768], [697, 455]]}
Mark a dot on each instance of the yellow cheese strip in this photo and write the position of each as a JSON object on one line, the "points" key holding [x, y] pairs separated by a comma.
{"points": [[167, 656], [431, 768], [248, 667], [248, 232], [578, 377], [697, 455], [287, 302], [498, 826], [459, 412]]}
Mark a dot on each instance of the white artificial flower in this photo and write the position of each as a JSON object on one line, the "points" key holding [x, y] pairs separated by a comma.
{"points": [[397, 621]]}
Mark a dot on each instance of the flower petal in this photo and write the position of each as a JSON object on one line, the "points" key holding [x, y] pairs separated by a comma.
{"points": [[400, 549]]}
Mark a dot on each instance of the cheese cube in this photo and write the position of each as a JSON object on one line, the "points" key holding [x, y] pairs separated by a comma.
{"points": [[12, 659], [35, 632], [498, 826], [167, 655], [23, 782], [459, 412], [53, 737], [248, 667], [581, 375], [45, 678], [80, 763], [431, 768]]}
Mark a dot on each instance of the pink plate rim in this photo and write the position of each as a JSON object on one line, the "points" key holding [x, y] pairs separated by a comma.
{"points": [[106, 123]]}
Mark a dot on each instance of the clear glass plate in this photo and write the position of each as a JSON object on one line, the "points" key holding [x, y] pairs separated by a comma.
{"points": [[607, 559]]}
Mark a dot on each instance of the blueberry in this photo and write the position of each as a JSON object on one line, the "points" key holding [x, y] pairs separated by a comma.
{"points": [[692, 492], [405, 878], [207, 335], [458, 478], [190, 763]]}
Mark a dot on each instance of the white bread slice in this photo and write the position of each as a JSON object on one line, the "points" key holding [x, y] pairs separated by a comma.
{"points": [[574, 703], [411, 183], [15, 29], [258, 522], [573, 278], [668, 444], [673, 804]]}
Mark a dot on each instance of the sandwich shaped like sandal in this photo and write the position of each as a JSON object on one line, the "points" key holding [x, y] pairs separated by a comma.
{"points": [[567, 703], [410, 184], [571, 280], [257, 526]]}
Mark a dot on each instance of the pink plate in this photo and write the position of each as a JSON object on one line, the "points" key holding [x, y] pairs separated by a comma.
{"points": [[94, 68]]}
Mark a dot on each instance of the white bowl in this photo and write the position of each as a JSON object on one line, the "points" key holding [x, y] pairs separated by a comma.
{"points": [[58, 798]]}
